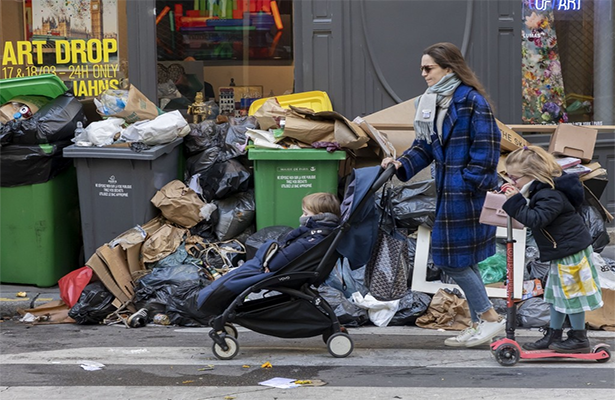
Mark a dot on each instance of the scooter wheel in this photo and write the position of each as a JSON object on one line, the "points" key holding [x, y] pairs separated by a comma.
{"points": [[233, 349], [608, 352], [507, 355]]}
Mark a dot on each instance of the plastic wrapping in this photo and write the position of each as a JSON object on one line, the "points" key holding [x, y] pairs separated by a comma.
{"points": [[534, 313], [348, 313], [493, 269]]}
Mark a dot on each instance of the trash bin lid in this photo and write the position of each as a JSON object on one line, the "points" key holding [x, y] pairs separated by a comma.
{"points": [[295, 154], [42, 85], [120, 152]]}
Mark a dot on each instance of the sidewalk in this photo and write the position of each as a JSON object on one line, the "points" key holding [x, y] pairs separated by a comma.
{"points": [[10, 301]]}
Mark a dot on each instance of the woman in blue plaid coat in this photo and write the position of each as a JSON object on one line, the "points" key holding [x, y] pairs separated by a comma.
{"points": [[455, 129]]}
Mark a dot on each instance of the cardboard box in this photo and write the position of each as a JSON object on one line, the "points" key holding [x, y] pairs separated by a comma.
{"points": [[397, 123], [573, 141], [511, 140], [103, 273]]}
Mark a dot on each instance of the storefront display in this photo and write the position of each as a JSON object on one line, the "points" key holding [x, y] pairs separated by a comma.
{"points": [[565, 47], [76, 40]]}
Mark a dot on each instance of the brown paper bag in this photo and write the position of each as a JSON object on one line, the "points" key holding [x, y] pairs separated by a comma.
{"points": [[446, 311], [162, 243], [604, 317], [270, 114], [179, 204], [138, 107]]}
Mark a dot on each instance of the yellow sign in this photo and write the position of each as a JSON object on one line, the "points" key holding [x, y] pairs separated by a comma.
{"points": [[87, 63]]}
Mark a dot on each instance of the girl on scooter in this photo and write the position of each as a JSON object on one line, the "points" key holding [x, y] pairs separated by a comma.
{"points": [[545, 200]]}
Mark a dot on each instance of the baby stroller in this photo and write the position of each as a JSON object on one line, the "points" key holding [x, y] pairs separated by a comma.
{"points": [[295, 309]]}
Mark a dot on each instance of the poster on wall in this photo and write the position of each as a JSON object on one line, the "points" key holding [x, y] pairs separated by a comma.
{"points": [[542, 81], [76, 40]]}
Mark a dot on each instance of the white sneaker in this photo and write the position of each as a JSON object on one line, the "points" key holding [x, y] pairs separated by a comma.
{"points": [[486, 332], [461, 339]]}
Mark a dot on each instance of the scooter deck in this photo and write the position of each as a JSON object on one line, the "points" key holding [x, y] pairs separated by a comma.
{"points": [[598, 352]]}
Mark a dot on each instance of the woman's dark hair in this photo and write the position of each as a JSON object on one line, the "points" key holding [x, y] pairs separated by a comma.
{"points": [[447, 55]]}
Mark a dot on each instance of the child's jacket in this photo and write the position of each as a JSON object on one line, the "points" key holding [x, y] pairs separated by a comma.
{"points": [[214, 299], [552, 215]]}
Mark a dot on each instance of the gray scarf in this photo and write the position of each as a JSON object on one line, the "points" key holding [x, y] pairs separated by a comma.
{"points": [[438, 95], [320, 218]]}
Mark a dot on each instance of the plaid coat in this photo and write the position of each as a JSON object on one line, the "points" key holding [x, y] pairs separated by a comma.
{"points": [[465, 169]]}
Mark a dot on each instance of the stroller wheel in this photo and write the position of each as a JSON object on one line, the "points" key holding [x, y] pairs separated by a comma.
{"points": [[340, 345], [231, 330], [233, 349]]}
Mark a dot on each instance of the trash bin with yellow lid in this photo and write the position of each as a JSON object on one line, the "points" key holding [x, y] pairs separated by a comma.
{"points": [[283, 177]]}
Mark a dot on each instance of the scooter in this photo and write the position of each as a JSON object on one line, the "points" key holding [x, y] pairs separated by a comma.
{"points": [[506, 350]]}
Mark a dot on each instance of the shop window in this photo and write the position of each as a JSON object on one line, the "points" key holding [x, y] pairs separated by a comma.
{"points": [[567, 67], [79, 41], [215, 46]]}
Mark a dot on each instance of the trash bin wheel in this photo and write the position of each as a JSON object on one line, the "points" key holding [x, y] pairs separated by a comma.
{"points": [[340, 345], [231, 330], [233, 349], [608, 352], [507, 355]]}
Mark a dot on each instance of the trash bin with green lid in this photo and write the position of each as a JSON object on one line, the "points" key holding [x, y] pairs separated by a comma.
{"points": [[116, 185], [283, 177], [40, 231]]}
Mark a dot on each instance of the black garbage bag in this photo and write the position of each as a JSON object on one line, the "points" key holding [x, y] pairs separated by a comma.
{"points": [[235, 214], [414, 204], [56, 121], [202, 136], [182, 308], [148, 285], [534, 313], [30, 164], [254, 241], [433, 272], [411, 306], [348, 313], [206, 228], [202, 161], [597, 227], [235, 139], [93, 306], [223, 179]]}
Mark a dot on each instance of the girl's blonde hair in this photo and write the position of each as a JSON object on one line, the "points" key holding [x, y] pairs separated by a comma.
{"points": [[534, 162], [322, 202]]}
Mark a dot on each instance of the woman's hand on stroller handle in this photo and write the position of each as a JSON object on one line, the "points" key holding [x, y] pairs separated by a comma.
{"points": [[386, 162]]}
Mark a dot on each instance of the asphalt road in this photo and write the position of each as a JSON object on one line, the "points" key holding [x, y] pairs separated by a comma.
{"points": [[170, 362]]}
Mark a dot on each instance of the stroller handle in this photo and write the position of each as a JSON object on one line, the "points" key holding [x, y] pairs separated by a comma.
{"points": [[385, 175]]}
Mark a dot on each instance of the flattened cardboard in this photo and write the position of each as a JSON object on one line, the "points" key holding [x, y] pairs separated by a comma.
{"points": [[115, 258], [573, 141], [511, 140], [102, 272]]}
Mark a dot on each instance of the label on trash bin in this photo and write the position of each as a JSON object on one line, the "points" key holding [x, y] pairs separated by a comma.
{"points": [[112, 188], [296, 177]]}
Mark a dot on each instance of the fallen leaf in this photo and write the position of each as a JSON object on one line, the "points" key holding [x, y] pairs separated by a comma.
{"points": [[245, 366], [188, 382], [267, 365], [21, 294]]}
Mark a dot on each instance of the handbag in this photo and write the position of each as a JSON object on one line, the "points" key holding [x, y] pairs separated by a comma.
{"points": [[493, 214], [386, 272]]}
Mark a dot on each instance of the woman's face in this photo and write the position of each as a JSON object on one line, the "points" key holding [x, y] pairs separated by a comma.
{"points": [[431, 71]]}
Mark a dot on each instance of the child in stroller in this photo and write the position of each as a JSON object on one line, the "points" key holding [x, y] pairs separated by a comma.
{"points": [[321, 214], [290, 272]]}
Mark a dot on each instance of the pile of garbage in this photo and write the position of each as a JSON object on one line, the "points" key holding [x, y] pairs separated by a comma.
{"points": [[153, 272]]}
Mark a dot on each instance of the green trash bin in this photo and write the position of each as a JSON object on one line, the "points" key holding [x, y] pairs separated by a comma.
{"points": [[40, 232], [283, 177]]}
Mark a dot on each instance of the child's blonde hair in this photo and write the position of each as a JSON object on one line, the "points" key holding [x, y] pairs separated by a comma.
{"points": [[534, 162], [322, 202]]}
